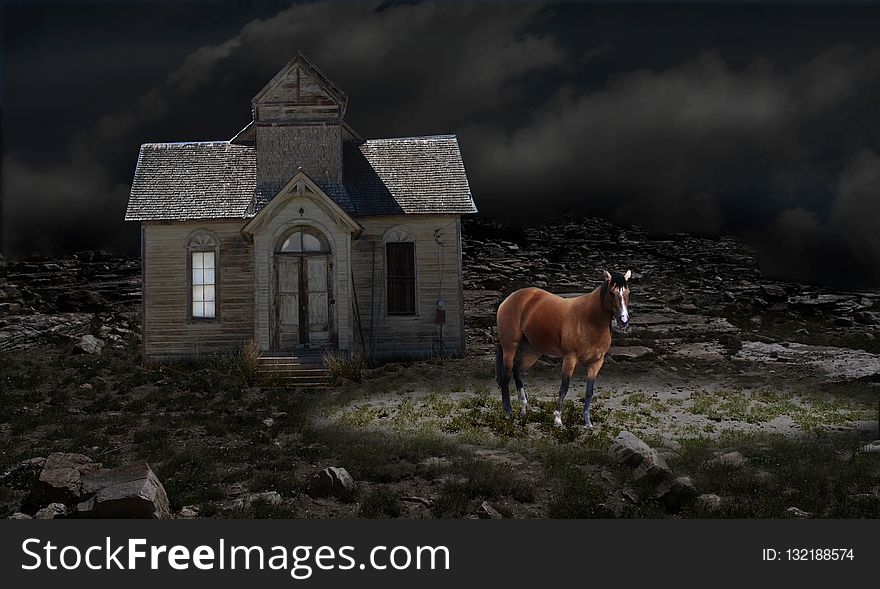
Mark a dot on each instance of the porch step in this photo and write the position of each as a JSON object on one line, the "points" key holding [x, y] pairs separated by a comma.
{"points": [[294, 370]]}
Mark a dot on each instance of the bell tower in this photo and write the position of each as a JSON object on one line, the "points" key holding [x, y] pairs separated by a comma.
{"points": [[298, 124]]}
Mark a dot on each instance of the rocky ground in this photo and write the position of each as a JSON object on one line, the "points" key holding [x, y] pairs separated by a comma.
{"points": [[731, 395]]}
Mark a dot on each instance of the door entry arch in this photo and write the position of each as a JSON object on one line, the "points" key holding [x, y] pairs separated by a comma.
{"points": [[303, 289]]}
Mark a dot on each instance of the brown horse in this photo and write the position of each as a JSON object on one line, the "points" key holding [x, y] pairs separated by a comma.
{"points": [[575, 329]]}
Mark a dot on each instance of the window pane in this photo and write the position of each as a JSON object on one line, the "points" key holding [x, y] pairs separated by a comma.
{"points": [[209, 309], [400, 272], [209, 276], [198, 309], [292, 243], [209, 293], [198, 276], [311, 243], [199, 293], [209, 259], [198, 260]]}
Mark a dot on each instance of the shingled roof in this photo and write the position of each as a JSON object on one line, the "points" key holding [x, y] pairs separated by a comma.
{"points": [[212, 180], [178, 181]]}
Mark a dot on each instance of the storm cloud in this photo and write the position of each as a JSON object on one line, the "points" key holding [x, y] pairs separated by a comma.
{"points": [[554, 115]]}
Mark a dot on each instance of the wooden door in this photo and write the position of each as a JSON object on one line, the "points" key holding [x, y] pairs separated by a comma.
{"points": [[318, 299], [302, 301], [289, 303]]}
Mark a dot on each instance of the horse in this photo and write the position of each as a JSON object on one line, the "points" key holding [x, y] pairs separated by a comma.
{"points": [[575, 329]]}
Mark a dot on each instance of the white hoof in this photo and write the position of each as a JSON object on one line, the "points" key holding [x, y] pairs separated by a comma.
{"points": [[557, 419], [523, 401]]}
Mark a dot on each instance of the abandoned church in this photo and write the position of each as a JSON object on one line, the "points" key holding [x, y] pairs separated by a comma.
{"points": [[301, 235]]}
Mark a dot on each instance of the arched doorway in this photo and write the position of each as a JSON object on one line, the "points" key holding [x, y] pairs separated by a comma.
{"points": [[303, 290]]}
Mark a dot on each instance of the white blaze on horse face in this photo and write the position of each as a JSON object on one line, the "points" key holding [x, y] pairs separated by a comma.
{"points": [[624, 313]]}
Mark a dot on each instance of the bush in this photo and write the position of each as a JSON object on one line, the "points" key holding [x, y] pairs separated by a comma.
{"points": [[344, 367]]}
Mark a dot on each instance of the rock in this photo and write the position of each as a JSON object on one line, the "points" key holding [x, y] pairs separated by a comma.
{"points": [[268, 422], [486, 511], [88, 344], [866, 317], [266, 497], [19, 515], [774, 292], [630, 450], [52, 511], [676, 494], [86, 386], [843, 322], [86, 508], [60, 480], [132, 491], [872, 447], [708, 502], [619, 353], [80, 300], [189, 512], [728, 459], [794, 512], [332, 481]]}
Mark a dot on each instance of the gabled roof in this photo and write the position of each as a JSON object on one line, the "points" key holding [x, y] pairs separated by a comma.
{"points": [[178, 181], [300, 185], [213, 180], [405, 175], [304, 63]]}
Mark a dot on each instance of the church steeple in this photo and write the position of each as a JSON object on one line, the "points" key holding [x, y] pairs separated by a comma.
{"points": [[298, 125]]}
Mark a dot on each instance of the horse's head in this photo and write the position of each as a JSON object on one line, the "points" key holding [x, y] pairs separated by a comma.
{"points": [[617, 296]]}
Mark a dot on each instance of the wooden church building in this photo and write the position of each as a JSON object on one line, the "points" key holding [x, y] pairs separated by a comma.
{"points": [[300, 234]]}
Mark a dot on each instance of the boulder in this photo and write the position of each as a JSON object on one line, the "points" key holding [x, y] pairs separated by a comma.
{"points": [[623, 353], [19, 515], [774, 292], [132, 491], [60, 480], [630, 450], [88, 344], [332, 481], [52, 511], [266, 497], [676, 494], [486, 511]]}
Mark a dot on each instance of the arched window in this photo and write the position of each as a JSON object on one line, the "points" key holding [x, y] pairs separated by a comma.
{"points": [[400, 271], [203, 249], [304, 240]]}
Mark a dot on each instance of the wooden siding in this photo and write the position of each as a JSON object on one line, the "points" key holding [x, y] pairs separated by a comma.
{"points": [[168, 330], [404, 335]]}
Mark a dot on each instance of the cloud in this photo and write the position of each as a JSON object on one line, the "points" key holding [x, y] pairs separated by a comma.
{"points": [[843, 248], [425, 67], [701, 146]]}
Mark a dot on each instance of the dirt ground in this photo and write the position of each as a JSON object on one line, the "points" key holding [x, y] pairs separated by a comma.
{"points": [[763, 394]]}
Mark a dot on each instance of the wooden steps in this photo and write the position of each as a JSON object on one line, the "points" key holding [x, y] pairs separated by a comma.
{"points": [[302, 368]]}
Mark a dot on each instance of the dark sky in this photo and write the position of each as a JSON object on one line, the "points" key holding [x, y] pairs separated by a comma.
{"points": [[757, 120]]}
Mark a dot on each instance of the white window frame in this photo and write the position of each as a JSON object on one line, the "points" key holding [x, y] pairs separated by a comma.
{"points": [[199, 243]]}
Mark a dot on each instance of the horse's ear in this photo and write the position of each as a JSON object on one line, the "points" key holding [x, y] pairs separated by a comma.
{"points": [[607, 276], [627, 275]]}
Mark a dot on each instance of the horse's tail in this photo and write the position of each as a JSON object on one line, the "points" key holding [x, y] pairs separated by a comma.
{"points": [[499, 364]]}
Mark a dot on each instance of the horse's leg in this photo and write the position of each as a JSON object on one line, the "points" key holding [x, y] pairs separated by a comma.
{"points": [[592, 373], [568, 365], [507, 357], [528, 356]]}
